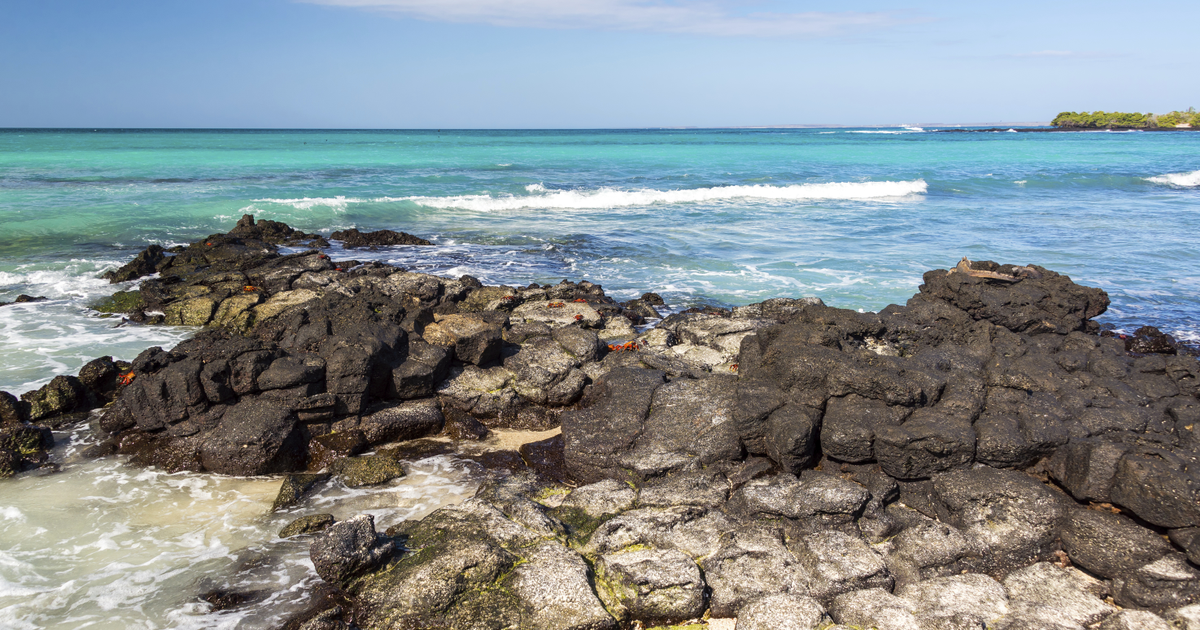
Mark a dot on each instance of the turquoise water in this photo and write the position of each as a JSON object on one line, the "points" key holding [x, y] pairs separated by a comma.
{"points": [[703, 217], [711, 216]]}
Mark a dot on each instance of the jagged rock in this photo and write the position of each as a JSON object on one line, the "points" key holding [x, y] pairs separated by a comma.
{"points": [[1169, 582], [348, 549], [296, 487], [307, 525], [143, 264], [13, 411], [1009, 515], [474, 340], [402, 422], [1050, 302], [838, 563], [602, 498], [1109, 545], [1070, 593], [254, 438], [63, 394], [1086, 467], [326, 450], [352, 238], [753, 562], [554, 591], [926, 549], [608, 426], [704, 488], [1155, 485], [781, 612], [1188, 539], [874, 608], [690, 529], [653, 586], [970, 596], [367, 470], [819, 499], [1134, 620], [689, 424]]}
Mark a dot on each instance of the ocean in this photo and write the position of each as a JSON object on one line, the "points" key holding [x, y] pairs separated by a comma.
{"points": [[702, 217]]}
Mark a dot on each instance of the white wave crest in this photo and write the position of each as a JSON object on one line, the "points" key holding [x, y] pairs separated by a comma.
{"points": [[337, 204], [1183, 180], [613, 198]]}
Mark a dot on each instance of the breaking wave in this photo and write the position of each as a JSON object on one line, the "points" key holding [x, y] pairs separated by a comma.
{"points": [[613, 198], [1183, 180]]}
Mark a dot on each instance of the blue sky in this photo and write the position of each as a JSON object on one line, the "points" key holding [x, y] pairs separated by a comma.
{"points": [[587, 63]]}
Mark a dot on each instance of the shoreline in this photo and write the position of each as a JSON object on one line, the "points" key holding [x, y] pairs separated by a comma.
{"points": [[826, 430]]}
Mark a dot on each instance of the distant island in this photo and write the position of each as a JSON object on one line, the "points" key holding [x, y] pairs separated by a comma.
{"points": [[1125, 120]]}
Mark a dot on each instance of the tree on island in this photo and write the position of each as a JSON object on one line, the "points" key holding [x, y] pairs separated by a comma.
{"points": [[1125, 120]]}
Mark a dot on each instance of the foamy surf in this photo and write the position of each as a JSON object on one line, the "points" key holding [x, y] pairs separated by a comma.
{"points": [[602, 198], [1182, 180]]}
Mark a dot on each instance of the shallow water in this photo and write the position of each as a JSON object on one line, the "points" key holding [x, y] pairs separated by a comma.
{"points": [[105, 545], [723, 217]]}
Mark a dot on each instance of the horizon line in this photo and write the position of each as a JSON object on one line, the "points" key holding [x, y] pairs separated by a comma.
{"points": [[650, 128]]}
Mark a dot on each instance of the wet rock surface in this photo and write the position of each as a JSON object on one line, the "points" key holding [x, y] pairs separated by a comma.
{"points": [[981, 455]]}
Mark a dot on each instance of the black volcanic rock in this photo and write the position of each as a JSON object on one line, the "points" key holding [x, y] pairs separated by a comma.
{"points": [[352, 238]]}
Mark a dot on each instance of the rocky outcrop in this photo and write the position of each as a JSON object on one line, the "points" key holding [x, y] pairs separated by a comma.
{"points": [[352, 238], [945, 463]]}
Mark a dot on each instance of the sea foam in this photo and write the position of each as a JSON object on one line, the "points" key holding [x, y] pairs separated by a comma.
{"points": [[601, 198], [1182, 180]]}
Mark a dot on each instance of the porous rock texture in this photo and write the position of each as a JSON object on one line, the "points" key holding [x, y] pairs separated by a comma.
{"points": [[980, 457]]}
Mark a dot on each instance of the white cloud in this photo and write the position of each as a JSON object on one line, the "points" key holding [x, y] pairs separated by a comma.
{"points": [[683, 16]]}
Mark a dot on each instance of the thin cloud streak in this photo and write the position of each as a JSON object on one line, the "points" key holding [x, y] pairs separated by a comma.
{"points": [[694, 18]]}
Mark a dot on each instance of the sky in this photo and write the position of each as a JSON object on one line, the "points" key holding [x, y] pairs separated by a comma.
{"points": [[499, 64]]}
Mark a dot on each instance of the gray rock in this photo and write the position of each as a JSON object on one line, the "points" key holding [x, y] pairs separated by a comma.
{"points": [[1188, 539], [926, 549], [539, 367], [426, 366], [654, 586], [689, 529], [1025, 615], [599, 434], [422, 589], [406, 421], [1109, 545], [1135, 620], [929, 442], [348, 549], [475, 340], [1071, 594], [690, 425], [295, 487], [1169, 582], [554, 591], [815, 496], [703, 488], [602, 498], [1155, 485], [874, 608], [966, 596], [781, 612], [752, 563], [838, 563], [1008, 515], [254, 438], [849, 425], [1185, 618], [366, 470]]}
